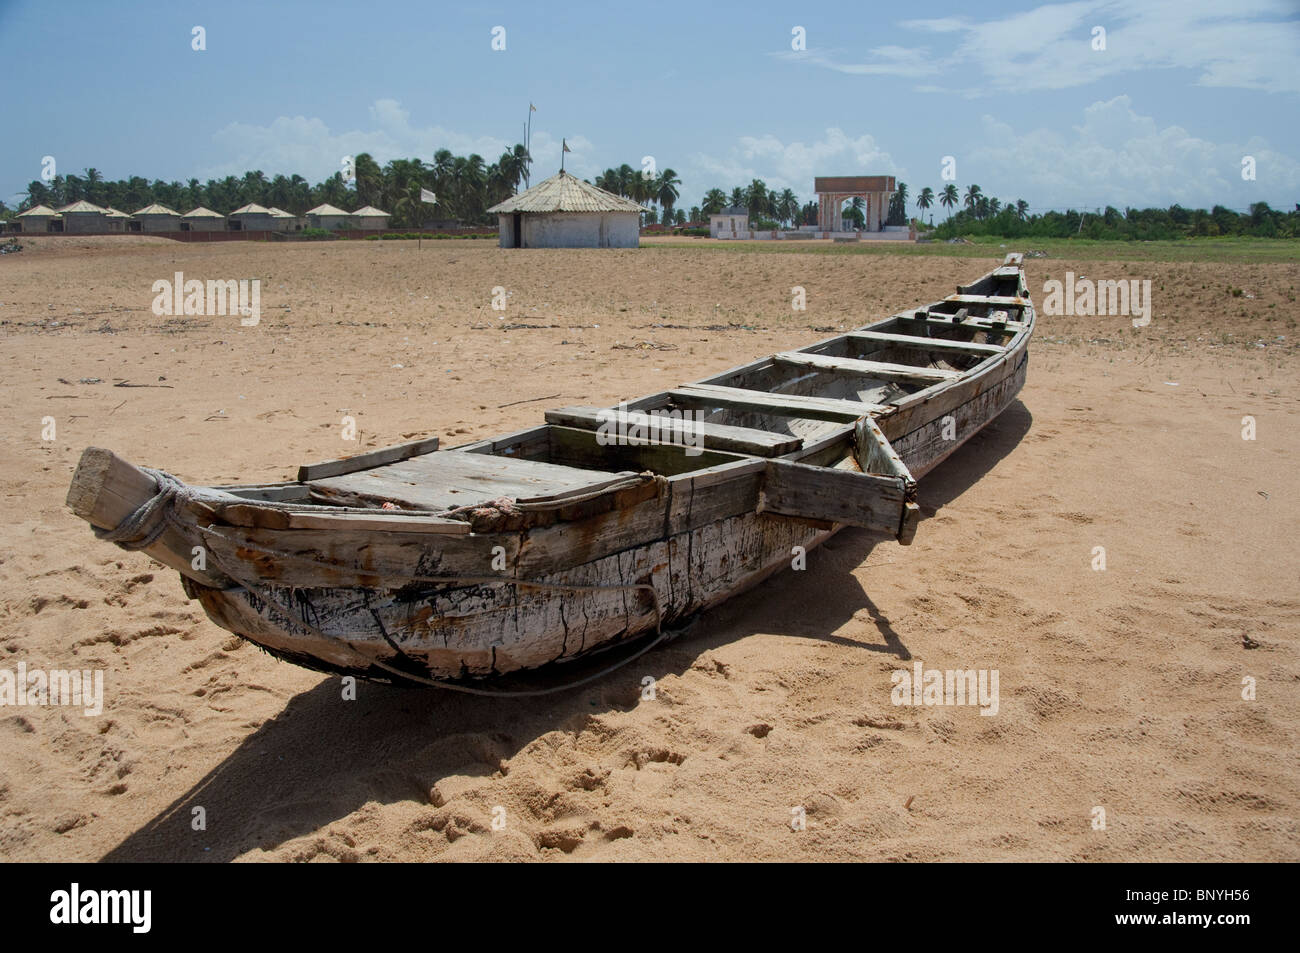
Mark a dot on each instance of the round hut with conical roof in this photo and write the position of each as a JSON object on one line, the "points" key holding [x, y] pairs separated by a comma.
{"points": [[566, 212]]}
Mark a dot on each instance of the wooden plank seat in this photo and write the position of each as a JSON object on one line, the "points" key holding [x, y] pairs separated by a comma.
{"points": [[878, 369], [920, 343], [447, 479], [779, 405], [762, 443], [1002, 301], [937, 319]]}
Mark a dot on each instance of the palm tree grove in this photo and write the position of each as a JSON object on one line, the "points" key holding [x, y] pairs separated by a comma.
{"points": [[467, 186]]}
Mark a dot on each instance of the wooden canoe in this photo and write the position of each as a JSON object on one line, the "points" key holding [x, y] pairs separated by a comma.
{"points": [[599, 525]]}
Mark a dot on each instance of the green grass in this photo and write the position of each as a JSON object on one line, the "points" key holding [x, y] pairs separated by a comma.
{"points": [[1190, 249]]}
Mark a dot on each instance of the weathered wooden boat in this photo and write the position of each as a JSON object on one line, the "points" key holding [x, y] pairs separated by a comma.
{"points": [[597, 527]]}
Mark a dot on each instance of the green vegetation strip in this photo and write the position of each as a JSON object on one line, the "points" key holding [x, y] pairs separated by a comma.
{"points": [[1189, 249]]}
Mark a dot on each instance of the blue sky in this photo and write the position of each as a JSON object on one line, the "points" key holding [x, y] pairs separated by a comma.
{"points": [[1014, 92]]}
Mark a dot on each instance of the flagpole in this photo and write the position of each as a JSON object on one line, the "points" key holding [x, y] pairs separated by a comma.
{"points": [[528, 146]]}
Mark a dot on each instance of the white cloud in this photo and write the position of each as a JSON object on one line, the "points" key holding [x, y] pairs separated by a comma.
{"points": [[791, 165], [297, 144], [1250, 44], [1116, 156], [884, 61]]}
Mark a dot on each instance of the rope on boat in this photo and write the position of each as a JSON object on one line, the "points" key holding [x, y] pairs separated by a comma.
{"points": [[149, 520]]}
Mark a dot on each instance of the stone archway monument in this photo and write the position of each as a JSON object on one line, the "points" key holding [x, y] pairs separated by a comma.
{"points": [[875, 191]]}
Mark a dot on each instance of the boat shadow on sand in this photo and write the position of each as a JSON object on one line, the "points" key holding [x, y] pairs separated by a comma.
{"points": [[320, 760]]}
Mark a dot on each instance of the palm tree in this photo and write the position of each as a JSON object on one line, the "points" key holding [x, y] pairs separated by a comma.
{"points": [[137, 191], [299, 195], [1022, 209], [925, 200], [715, 200], [511, 166], [787, 206], [973, 196], [949, 198], [737, 197], [38, 193], [668, 192], [995, 206], [252, 187], [627, 177], [333, 190], [369, 179], [643, 189], [468, 182], [94, 181], [278, 191], [403, 179], [441, 170], [757, 199]]}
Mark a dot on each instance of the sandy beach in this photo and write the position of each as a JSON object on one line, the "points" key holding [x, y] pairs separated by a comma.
{"points": [[1120, 689]]}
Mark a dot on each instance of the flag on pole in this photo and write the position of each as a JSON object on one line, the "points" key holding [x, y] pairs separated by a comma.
{"points": [[532, 108], [427, 196], [565, 146]]}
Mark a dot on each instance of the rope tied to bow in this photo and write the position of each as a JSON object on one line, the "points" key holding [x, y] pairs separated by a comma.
{"points": [[150, 519]]}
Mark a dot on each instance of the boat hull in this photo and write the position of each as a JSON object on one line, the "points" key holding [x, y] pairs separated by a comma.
{"points": [[496, 628]]}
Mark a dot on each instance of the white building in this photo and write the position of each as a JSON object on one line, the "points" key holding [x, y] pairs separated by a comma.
{"points": [[566, 212], [730, 223]]}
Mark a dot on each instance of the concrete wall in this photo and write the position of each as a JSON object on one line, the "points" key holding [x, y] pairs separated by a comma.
{"points": [[255, 222], [159, 223], [85, 223], [205, 224], [35, 223], [728, 226], [330, 222], [373, 224], [574, 230]]}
